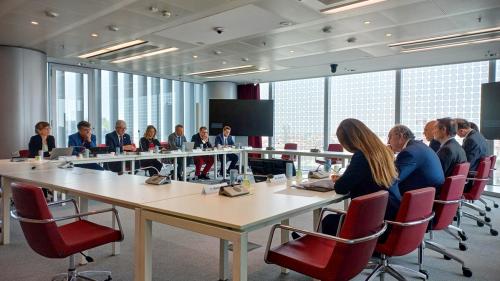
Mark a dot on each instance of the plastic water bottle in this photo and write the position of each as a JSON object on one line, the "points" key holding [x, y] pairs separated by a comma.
{"points": [[298, 176], [328, 165]]}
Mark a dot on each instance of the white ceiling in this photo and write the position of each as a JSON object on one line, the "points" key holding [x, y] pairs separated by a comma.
{"points": [[253, 34]]}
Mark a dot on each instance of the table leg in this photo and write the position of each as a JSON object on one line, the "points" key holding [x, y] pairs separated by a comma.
{"points": [[346, 203], [316, 218], [240, 258], [124, 166], [63, 197], [285, 237], [223, 260], [175, 168], [215, 166], [132, 167], [6, 194], [298, 162], [83, 207], [115, 246], [223, 165], [241, 162], [54, 195], [184, 168], [143, 250], [246, 163]]}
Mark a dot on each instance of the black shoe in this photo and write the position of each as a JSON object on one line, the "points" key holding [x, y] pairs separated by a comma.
{"points": [[295, 235], [205, 177]]}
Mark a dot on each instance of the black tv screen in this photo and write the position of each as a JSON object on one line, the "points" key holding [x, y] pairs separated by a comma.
{"points": [[490, 115], [245, 117]]}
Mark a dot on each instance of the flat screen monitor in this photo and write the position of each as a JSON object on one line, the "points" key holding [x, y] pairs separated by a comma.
{"points": [[490, 113], [245, 117]]}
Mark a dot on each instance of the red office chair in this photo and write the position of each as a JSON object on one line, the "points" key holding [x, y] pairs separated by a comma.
{"points": [[165, 145], [290, 146], [102, 145], [406, 233], [24, 153], [478, 184], [445, 208], [461, 169], [482, 199], [336, 147], [326, 257], [60, 241]]}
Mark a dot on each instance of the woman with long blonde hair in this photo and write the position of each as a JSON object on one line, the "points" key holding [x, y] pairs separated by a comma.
{"points": [[149, 142]]}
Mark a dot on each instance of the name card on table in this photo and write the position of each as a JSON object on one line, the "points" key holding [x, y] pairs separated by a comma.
{"points": [[281, 178], [209, 189]]}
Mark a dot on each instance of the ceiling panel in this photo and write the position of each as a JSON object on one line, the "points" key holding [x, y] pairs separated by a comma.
{"points": [[413, 12], [461, 6]]}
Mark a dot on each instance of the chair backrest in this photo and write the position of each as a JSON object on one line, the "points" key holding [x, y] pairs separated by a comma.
{"points": [[493, 160], [336, 147], [24, 153], [102, 145], [43, 238], [461, 169], [165, 145], [416, 205], [290, 146], [365, 217], [451, 190], [480, 180]]}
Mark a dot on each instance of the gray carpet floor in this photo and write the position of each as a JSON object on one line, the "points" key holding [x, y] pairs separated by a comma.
{"points": [[182, 255]]}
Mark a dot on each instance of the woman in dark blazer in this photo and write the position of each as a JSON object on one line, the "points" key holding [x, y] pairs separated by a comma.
{"points": [[147, 142], [42, 140]]}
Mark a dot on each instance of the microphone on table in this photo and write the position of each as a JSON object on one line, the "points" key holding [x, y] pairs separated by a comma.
{"points": [[156, 179]]}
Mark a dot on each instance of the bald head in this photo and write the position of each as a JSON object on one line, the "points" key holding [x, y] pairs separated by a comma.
{"points": [[429, 129]]}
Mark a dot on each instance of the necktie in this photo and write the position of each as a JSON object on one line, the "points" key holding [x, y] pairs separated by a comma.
{"points": [[225, 141], [121, 141], [179, 142]]}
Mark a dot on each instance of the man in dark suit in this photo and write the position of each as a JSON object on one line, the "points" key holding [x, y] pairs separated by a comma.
{"points": [[417, 164], [450, 153], [201, 141], [224, 140], [429, 135], [118, 140], [83, 139], [474, 143], [175, 142]]}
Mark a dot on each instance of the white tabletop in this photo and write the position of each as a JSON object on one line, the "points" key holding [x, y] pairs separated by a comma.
{"points": [[266, 203], [328, 154]]}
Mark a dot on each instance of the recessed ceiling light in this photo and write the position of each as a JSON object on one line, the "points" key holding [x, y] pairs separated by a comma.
{"points": [[224, 62], [112, 48], [291, 51], [286, 23], [162, 51], [217, 52], [367, 22], [239, 73], [113, 27], [388, 34], [195, 56], [349, 6], [94, 35], [244, 59], [221, 69], [34, 22], [51, 14]]}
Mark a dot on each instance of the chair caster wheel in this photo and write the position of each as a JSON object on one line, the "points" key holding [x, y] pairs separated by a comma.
{"points": [[467, 272], [462, 247], [495, 205], [482, 213], [455, 219], [493, 232], [446, 257], [487, 219], [462, 235], [109, 278], [424, 272], [480, 224], [488, 209]]}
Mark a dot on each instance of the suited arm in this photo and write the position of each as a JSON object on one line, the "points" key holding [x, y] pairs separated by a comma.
{"points": [[351, 177], [472, 151], [218, 140], [406, 164], [33, 147], [444, 155]]}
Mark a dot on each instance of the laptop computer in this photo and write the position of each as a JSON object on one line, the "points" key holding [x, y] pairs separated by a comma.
{"points": [[61, 151], [188, 146]]}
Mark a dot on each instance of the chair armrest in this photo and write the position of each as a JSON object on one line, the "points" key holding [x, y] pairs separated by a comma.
{"points": [[331, 210], [476, 179], [58, 203], [447, 202], [322, 235], [411, 223]]}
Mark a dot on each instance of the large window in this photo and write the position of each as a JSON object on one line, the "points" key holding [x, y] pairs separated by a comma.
{"points": [[434, 92], [299, 113], [369, 97]]}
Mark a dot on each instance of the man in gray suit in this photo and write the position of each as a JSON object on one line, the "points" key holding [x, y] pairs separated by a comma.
{"points": [[175, 141]]}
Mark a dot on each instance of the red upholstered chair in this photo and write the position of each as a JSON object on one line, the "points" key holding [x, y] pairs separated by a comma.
{"points": [[334, 147], [51, 240], [330, 258], [289, 146], [24, 153], [479, 182], [406, 233], [445, 208], [482, 199], [165, 145], [461, 169], [101, 145]]}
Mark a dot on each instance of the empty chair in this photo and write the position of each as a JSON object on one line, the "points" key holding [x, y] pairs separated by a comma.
{"points": [[334, 147], [50, 240], [339, 257], [406, 233], [445, 208], [24, 153], [478, 184], [289, 146], [482, 199]]}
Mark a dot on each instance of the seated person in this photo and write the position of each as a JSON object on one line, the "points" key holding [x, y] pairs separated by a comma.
{"points": [[474, 143], [429, 135], [175, 141], [42, 140], [371, 169], [225, 139], [201, 141], [118, 140], [83, 139], [450, 153], [149, 142], [418, 166]]}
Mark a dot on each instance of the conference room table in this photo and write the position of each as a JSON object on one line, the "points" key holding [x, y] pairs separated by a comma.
{"points": [[179, 204]]}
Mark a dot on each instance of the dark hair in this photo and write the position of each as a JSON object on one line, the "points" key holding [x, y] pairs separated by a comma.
{"points": [[403, 131], [203, 128], [473, 126], [227, 128], [449, 124], [40, 126], [462, 123], [83, 124], [179, 126]]}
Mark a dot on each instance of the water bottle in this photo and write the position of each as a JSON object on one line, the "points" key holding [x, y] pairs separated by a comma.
{"points": [[118, 150], [183, 147], [289, 170], [40, 154], [233, 176], [86, 153], [157, 149], [246, 182], [328, 165], [298, 175]]}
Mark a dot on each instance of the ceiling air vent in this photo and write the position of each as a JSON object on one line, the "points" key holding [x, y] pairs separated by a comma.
{"points": [[136, 50]]}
